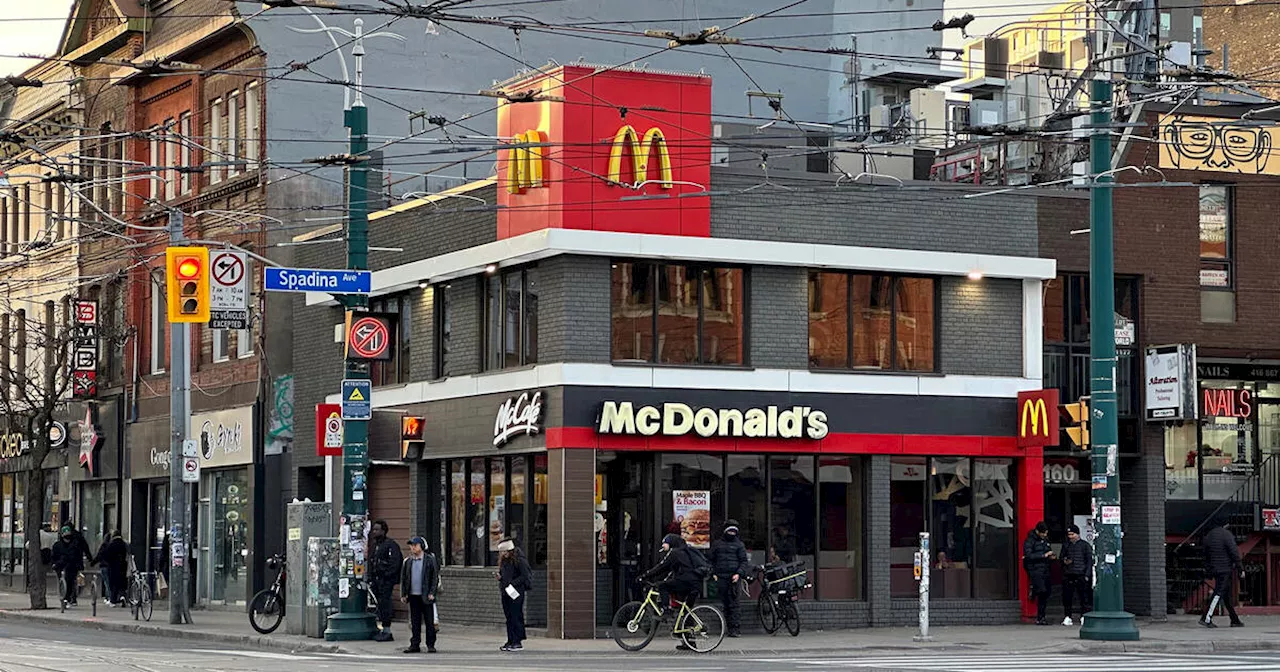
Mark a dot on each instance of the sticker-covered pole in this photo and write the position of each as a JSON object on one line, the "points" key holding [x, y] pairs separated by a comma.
{"points": [[922, 572], [179, 419]]}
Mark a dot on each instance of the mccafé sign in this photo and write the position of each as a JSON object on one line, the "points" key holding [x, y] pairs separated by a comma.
{"points": [[676, 419], [642, 151], [1038, 418], [12, 445]]}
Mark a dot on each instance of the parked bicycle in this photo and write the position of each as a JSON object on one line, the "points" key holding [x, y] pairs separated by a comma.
{"points": [[780, 588], [702, 627], [266, 610], [83, 581], [138, 595]]}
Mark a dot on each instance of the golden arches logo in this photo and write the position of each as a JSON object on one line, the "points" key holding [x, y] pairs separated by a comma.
{"points": [[527, 162], [641, 151], [1035, 411]]}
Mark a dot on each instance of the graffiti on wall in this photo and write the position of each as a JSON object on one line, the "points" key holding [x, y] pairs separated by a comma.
{"points": [[1218, 145], [280, 418]]}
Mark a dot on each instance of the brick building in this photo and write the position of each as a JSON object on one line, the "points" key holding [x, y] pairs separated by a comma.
{"points": [[654, 348], [1194, 263]]}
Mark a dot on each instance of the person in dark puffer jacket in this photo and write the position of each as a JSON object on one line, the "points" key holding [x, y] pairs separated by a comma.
{"points": [[1036, 558], [1077, 574], [1222, 562], [729, 563]]}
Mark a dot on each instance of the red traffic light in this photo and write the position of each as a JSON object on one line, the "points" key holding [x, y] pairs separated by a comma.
{"points": [[187, 269]]}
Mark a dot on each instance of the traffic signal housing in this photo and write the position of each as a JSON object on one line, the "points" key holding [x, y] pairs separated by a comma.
{"points": [[1078, 430], [187, 283]]}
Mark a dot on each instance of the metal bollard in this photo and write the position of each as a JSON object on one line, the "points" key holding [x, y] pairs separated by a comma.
{"points": [[922, 575]]}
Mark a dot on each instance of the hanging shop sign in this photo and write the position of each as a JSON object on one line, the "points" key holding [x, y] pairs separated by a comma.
{"points": [[518, 415], [676, 419], [84, 351], [1226, 403], [1170, 381], [1271, 519], [90, 441], [1245, 371], [225, 437], [1038, 418]]}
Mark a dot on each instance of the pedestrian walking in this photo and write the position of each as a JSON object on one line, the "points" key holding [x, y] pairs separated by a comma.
{"points": [[1077, 575], [418, 580], [385, 563], [516, 580], [1222, 561], [68, 561], [112, 561], [1036, 558], [729, 562]]}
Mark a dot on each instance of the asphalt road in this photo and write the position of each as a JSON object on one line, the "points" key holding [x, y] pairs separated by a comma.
{"points": [[25, 648]]}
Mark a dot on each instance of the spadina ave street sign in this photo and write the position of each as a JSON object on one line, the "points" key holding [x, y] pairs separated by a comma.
{"points": [[316, 280]]}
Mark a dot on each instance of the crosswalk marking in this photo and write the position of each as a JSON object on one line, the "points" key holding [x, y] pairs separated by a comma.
{"points": [[940, 661]]}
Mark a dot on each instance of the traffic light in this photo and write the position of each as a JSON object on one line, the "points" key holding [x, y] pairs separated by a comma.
{"points": [[187, 276], [1078, 431]]}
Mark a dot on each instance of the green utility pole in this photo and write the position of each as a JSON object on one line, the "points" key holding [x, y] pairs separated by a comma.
{"points": [[353, 621], [1108, 620]]}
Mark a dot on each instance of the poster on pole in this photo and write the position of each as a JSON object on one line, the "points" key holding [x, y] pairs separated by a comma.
{"points": [[692, 512]]}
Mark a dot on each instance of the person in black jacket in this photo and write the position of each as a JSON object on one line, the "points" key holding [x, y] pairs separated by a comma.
{"points": [[419, 576], [676, 572], [113, 559], [1077, 574], [514, 576], [729, 563], [1222, 562], [1036, 558], [69, 554], [385, 562]]}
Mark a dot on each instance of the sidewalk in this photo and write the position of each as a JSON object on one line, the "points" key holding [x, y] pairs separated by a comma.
{"points": [[1180, 634]]}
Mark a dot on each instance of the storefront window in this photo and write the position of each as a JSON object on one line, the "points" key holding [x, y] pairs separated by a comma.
{"points": [[6, 541], [692, 496], [748, 497], [515, 502], [907, 486], [231, 514], [995, 551], [158, 529], [538, 540], [1181, 475], [477, 521], [951, 539], [793, 503], [497, 507], [1227, 442], [840, 547], [458, 507]]}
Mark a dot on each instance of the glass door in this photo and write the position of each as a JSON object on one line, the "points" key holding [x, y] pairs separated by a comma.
{"points": [[1269, 446], [626, 537]]}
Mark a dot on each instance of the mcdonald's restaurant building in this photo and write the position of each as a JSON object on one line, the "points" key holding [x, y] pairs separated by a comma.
{"points": [[836, 370]]}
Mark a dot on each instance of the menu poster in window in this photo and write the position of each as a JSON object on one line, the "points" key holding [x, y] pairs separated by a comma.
{"points": [[498, 504], [692, 512]]}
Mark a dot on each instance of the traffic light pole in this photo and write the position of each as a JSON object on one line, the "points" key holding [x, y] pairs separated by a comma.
{"points": [[1108, 620], [179, 419], [353, 621]]}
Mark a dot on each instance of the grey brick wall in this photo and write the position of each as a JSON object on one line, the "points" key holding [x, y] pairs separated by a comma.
{"points": [[856, 215], [778, 322], [878, 512], [574, 309], [981, 327], [469, 596], [423, 350], [1145, 591]]}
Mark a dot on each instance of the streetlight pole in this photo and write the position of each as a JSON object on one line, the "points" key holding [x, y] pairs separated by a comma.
{"points": [[1108, 620]]}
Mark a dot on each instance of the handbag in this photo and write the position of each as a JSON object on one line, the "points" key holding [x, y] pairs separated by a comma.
{"points": [[162, 586]]}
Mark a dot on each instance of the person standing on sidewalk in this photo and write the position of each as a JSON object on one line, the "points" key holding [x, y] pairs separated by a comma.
{"points": [[1036, 558], [112, 561], [730, 564], [384, 573], [68, 561], [516, 580], [1077, 574], [1222, 562], [417, 587]]}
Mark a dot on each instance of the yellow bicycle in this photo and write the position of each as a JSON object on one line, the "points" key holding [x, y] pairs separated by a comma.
{"points": [[635, 623]]}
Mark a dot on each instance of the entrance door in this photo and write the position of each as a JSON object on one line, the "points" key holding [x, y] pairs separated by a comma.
{"points": [[628, 540]]}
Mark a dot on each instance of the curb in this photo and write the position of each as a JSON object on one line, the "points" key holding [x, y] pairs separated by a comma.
{"points": [[254, 641]]}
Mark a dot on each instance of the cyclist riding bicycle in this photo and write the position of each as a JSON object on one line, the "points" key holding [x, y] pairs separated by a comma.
{"points": [[678, 572]]}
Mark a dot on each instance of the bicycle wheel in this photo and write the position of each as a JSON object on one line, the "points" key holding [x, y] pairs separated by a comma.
{"points": [[266, 611], [791, 616], [705, 628], [768, 612], [132, 598], [634, 626], [144, 601]]}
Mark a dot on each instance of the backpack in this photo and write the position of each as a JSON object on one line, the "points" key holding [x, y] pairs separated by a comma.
{"points": [[699, 563]]}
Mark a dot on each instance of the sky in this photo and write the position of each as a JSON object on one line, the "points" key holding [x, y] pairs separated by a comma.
{"points": [[21, 33]]}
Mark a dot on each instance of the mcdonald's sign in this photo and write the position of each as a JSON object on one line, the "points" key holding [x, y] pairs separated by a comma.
{"points": [[1038, 418], [642, 149], [527, 162]]}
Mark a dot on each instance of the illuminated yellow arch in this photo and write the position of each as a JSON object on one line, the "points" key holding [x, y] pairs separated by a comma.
{"points": [[641, 151]]}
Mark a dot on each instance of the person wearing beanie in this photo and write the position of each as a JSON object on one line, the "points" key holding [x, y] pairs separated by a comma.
{"points": [[1077, 574], [729, 563], [1036, 558], [677, 575], [418, 581]]}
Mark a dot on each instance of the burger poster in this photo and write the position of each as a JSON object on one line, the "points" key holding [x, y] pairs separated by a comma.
{"points": [[693, 515]]}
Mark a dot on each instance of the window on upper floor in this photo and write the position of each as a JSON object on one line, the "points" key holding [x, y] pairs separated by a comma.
{"points": [[442, 297], [216, 141], [1217, 268], [233, 151], [394, 371], [159, 315], [221, 345], [252, 124], [184, 152], [511, 318], [873, 321], [678, 313]]}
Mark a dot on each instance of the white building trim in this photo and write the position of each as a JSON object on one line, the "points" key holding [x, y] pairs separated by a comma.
{"points": [[763, 380], [1033, 329], [551, 242]]}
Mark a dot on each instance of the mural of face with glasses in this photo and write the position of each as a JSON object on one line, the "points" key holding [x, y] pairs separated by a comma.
{"points": [[1207, 143]]}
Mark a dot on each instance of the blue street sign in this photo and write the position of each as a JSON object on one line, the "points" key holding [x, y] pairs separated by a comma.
{"points": [[355, 400], [317, 280]]}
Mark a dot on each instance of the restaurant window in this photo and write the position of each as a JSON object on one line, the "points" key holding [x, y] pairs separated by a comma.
{"points": [[399, 309], [967, 506], [457, 512], [486, 502], [443, 305], [793, 503], [748, 503], [477, 522], [872, 321], [692, 496], [678, 314], [496, 527], [511, 319], [840, 549], [1217, 272], [538, 517]]}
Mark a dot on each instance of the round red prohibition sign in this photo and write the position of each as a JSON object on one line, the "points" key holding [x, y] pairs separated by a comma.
{"points": [[369, 337], [191, 465]]}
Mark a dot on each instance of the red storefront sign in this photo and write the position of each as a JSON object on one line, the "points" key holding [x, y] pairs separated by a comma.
{"points": [[1037, 418]]}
